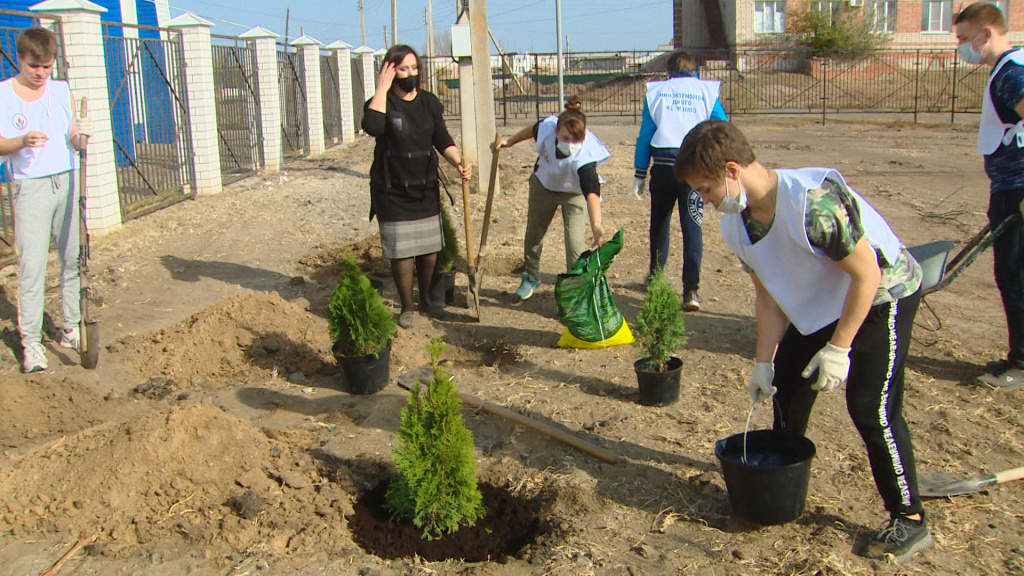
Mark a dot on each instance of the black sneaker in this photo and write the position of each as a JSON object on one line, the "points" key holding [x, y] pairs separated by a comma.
{"points": [[899, 539], [691, 301]]}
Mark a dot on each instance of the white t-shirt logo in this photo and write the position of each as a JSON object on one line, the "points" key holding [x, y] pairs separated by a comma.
{"points": [[19, 121]]}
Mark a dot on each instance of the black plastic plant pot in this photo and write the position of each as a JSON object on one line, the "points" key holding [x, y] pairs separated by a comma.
{"points": [[364, 374], [658, 388], [442, 288], [378, 285], [766, 475]]}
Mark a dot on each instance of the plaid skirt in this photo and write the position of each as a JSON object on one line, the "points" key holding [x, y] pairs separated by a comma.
{"points": [[411, 237]]}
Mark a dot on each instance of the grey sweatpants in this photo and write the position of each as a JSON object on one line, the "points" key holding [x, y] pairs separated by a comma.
{"points": [[43, 208], [540, 212]]}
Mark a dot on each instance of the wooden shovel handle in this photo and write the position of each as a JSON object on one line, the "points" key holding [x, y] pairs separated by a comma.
{"points": [[491, 185], [540, 427], [468, 217], [1009, 475]]}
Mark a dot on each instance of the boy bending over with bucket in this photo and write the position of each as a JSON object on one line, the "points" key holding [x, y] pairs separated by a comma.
{"points": [[836, 295]]}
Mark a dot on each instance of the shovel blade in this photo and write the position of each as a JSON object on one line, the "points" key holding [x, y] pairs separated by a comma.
{"points": [[943, 485], [90, 353]]}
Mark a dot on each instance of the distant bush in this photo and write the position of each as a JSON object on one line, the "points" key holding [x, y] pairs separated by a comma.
{"points": [[846, 35]]}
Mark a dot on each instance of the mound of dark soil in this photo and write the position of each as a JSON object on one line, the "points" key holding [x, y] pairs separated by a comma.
{"points": [[510, 525]]}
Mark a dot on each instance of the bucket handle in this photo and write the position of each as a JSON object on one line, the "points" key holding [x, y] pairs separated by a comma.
{"points": [[750, 415]]}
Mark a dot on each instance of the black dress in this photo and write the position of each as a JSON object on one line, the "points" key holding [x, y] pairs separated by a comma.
{"points": [[404, 186]]}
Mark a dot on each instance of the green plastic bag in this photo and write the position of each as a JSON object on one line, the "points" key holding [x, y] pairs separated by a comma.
{"points": [[585, 304]]}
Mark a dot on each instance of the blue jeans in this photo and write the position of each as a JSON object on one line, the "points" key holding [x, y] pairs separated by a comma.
{"points": [[666, 192], [1008, 254]]}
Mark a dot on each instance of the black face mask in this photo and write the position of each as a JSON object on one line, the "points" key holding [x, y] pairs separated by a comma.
{"points": [[409, 83]]}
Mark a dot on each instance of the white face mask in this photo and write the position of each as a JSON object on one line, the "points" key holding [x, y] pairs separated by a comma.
{"points": [[730, 204], [569, 148], [967, 52]]}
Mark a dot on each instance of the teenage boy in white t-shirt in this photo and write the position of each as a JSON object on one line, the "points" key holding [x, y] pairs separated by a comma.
{"points": [[40, 136]]}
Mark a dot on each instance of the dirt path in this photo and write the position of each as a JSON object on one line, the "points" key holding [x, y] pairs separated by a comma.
{"points": [[217, 380]]}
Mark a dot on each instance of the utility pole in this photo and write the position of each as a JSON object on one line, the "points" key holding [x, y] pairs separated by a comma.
{"points": [[558, 35], [431, 85], [394, 23], [385, 27], [287, 16], [362, 22], [484, 83]]}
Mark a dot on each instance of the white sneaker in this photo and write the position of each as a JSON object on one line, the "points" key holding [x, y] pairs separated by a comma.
{"points": [[35, 358], [70, 338]]}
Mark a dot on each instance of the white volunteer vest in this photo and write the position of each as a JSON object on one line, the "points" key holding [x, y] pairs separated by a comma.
{"points": [[560, 174], [677, 105], [52, 115], [809, 287], [992, 131]]}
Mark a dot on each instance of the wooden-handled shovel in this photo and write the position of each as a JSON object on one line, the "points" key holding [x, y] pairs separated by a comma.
{"points": [[942, 484], [88, 329], [481, 253], [470, 261], [518, 418]]}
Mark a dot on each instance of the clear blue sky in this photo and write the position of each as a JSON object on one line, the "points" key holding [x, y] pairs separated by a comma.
{"points": [[519, 25]]}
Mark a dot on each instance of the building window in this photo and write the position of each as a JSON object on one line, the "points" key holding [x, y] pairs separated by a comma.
{"points": [[833, 9], [937, 16], [770, 17], [881, 15]]}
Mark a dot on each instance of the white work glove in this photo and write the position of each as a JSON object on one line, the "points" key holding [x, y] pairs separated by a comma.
{"points": [[833, 366], [760, 383], [84, 126], [638, 187]]}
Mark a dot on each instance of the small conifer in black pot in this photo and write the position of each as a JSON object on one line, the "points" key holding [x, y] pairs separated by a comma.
{"points": [[362, 328], [660, 332]]}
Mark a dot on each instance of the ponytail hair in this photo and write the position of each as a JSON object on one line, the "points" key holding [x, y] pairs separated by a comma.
{"points": [[573, 119]]}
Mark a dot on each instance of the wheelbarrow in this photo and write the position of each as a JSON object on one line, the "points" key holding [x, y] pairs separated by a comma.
{"points": [[938, 273]]}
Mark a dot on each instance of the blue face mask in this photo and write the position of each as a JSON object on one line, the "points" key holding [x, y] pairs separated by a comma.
{"points": [[731, 204], [967, 52]]}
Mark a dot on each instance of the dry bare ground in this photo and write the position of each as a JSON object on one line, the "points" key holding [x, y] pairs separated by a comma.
{"points": [[217, 380]]}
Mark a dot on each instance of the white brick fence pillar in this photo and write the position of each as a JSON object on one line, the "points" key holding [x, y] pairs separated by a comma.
{"points": [[87, 77], [342, 54], [309, 51], [365, 54], [202, 101], [270, 95]]}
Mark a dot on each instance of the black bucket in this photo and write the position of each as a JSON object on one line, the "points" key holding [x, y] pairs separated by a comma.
{"points": [[658, 388], [365, 374], [771, 487]]}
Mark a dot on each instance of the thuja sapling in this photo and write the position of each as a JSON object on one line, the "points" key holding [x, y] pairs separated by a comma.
{"points": [[434, 481], [357, 319], [661, 326]]}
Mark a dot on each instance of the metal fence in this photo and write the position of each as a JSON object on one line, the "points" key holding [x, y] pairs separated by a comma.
{"points": [[290, 74], [12, 22], [753, 82], [149, 116], [238, 107], [331, 98]]}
